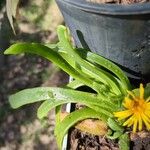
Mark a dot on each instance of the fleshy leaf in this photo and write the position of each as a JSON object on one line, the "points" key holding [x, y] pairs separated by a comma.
{"points": [[62, 96], [111, 67], [90, 69], [115, 135], [92, 126], [74, 84], [114, 125], [28, 96], [58, 96], [51, 55], [72, 119], [124, 142]]}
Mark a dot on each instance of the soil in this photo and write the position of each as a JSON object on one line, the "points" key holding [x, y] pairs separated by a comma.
{"points": [[140, 141], [20, 129], [123, 2], [84, 141]]}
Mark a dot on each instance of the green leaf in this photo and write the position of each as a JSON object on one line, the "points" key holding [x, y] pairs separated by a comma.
{"points": [[74, 84], [124, 142], [114, 125], [106, 64], [51, 46], [11, 9], [62, 96], [28, 96], [111, 67], [58, 96], [97, 86], [72, 119], [115, 135], [57, 112], [147, 91], [88, 67], [51, 55], [46, 106]]}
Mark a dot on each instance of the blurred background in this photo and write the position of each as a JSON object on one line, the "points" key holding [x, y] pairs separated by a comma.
{"points": [[20, 129]]}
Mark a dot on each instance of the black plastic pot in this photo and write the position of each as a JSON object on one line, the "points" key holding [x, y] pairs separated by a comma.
{"points": [[120, 33]]}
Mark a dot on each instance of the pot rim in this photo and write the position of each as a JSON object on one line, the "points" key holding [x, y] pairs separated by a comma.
{"points": [[109, 9]]}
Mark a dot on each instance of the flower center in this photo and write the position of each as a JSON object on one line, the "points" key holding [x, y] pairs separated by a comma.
{"points": [[139, 106]]}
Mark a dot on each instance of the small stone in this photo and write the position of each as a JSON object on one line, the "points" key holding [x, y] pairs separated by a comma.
{"points": [[23, 129], [143, 134], [37, 123], [10, 119], [11, 135], [133, 136], [44, 139]]}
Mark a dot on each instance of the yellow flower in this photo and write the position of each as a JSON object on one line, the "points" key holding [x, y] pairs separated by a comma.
{"points": [[137, 111]]}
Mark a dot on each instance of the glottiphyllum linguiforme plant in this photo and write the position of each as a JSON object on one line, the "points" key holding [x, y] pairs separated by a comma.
{"points": [[114, 96]]}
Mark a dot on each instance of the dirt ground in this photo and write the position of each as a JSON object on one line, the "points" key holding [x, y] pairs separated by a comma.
{"points": [[20, 129]]}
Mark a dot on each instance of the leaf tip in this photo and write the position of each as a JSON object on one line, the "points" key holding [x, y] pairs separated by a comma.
{"points": [[6, 52], [40, 115], [61, 27], [12, 104]]}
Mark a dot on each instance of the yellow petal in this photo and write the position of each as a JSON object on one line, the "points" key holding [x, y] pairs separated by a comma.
{"points": [[147, 113], [141, 91], [137, 110], [140, 122], [135, 125], [147, 118], [123, 114], [128, 103], [148, 105], [129, 122], [146, 121]]}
